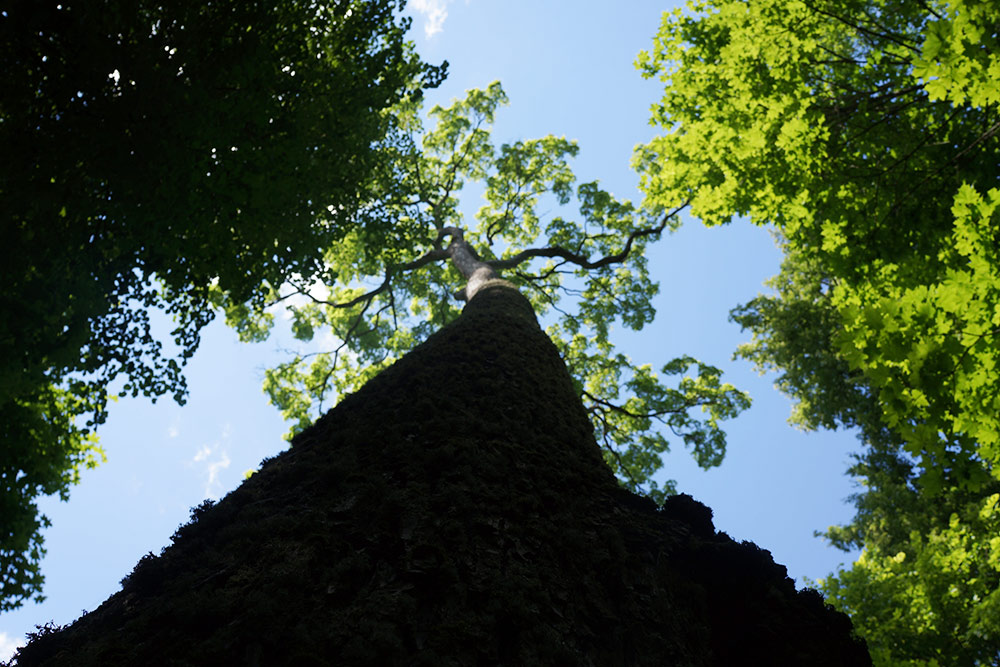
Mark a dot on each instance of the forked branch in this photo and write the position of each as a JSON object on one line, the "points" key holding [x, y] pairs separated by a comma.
{"points": [[581, 260]]}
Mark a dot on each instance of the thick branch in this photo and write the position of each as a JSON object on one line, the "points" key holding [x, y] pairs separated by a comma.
{"points": [[581, 260], [477, 272]]}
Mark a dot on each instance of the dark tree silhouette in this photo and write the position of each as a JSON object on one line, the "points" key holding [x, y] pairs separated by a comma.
{"points": [[456, 510]]}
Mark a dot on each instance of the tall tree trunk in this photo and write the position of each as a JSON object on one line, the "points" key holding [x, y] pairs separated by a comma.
{"points": [[477, 273], [454, 511]]}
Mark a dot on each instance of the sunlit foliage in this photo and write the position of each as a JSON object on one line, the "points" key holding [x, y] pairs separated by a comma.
{"points": [[865, 132]]}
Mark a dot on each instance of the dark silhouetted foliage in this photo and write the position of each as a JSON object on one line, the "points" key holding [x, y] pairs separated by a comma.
{"points": [[153, 152]]}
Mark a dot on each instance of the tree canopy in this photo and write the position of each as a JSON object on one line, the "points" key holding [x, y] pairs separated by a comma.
{"points": [[865, 132], [585, 271], [153, 153]]}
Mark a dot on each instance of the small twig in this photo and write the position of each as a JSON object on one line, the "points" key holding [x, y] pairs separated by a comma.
{"points": [[548, 297], [605, 429]]}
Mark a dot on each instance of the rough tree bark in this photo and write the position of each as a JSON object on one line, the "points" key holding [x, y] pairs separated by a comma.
{"points": [[454, 511]]}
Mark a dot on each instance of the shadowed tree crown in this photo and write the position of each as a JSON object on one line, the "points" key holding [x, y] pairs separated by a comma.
{"points": [[150, 150]]}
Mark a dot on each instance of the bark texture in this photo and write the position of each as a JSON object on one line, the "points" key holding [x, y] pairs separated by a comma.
{"points": [[455, 511]]}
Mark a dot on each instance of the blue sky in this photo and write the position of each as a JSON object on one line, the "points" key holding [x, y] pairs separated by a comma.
{"points": [[568, 70]]}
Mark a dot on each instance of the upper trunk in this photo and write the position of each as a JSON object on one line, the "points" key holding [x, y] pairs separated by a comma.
{"points": [[476, 272], [454, 511]]}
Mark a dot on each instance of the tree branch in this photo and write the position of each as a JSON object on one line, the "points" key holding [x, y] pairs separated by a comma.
{"points": [[435, 255], [863, 29], [639, 415], [611, 448], [580, 260]]}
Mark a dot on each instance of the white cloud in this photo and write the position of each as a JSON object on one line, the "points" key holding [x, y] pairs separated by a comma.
{"points": [[213, 459], [8, 645], [172, 432], [434, 11], [212, 487]]}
